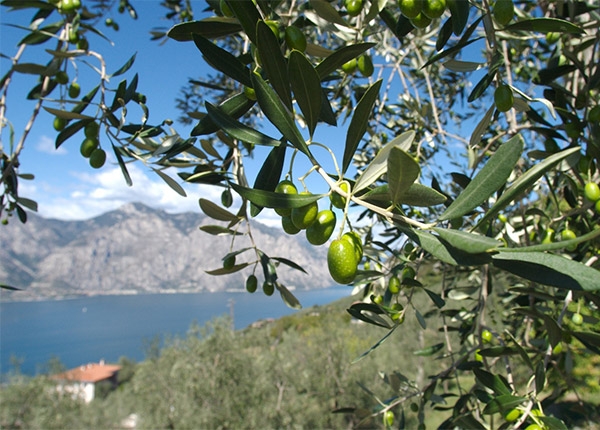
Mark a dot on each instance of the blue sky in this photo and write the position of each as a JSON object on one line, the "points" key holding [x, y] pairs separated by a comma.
{"points": [[65, 186]]}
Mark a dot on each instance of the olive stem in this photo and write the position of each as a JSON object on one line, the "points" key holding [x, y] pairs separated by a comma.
{"points": [[396, 217]]}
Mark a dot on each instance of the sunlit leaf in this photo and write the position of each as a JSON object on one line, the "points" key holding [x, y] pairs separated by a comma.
{"points": [[379, 165], [489, 179], [327, 12], [402, 171], [66, 114], [288, 298], [377, 345], [171, 182], [526, 180], [469, 242], [358, 124], [549, 269], [421, 196], [306, 85]]}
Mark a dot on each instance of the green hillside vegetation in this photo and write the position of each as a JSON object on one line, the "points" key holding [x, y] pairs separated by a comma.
{"points": [[293, 372]]}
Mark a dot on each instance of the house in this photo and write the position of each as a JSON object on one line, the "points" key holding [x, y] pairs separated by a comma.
{"points": [[81, 381]]}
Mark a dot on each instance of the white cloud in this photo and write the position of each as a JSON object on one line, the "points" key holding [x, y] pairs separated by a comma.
{"points": [[46, 145], [105, 190]]}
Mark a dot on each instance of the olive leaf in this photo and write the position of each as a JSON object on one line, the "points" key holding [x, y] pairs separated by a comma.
{"points": [[489, 179], [402, 171], [306, 85], [358, 124], [273, 63], [379, 165], [222, 60]]}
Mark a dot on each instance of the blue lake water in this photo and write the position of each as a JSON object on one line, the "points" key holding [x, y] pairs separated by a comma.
{"points": [[89, 329]]}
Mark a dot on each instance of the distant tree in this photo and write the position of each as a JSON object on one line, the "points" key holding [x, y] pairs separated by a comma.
{"points": [[499, 98]]}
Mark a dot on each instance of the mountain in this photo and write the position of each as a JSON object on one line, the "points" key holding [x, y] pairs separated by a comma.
{"points": [[137, 249]]}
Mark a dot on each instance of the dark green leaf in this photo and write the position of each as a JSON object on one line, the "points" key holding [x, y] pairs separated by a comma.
{"points": [[217, 230], [540, 377], [237, 130], [42, 35], [503, 403], [435, 298], [491, 381], [224, 271], [470, 243], [443, 251], [498, 351], [450, 51], [28, 203], [548, 269], [281, 118], [234, 107], [306, 85], [247, 15], [553, 423], [489, 179], [377, 345], [33, 69], [69, 131], [26, 4], [122, 165], [545, 25], [21, 214], [269, 199], [211, 28], [481, 86], [269, 174], [421, 320], [8, 287], [215, 211], [290, 263], [357, 311], [273, 63], [402, 171], [358, 124], [426, 352], [459, 10], [340, 57], [125, 66], [223, 61]]}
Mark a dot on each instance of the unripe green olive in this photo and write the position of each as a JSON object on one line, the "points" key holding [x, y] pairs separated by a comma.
{"points": [[251, 284], [434, 8], [285, 187], [592, 191], [228, 261], [421, 21], [503, 98], [97, 158], [295, 39], [503, 11], [365, 65], [410, 8], [268, 288], [577, 319]]}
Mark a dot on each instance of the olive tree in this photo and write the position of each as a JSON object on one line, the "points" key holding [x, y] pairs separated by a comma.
{"points": [[467, 146]]}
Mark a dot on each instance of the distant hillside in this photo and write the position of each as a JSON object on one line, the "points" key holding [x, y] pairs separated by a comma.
{"points": [[137, 249]]}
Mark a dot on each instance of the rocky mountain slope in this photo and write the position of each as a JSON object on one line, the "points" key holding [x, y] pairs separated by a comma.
{"points": [[136, 249]]}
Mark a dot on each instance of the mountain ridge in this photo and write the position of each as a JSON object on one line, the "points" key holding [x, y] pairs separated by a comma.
{"points": [[137, 249]]}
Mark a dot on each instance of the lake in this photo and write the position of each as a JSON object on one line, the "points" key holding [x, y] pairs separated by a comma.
{"points": [[89, 329]]}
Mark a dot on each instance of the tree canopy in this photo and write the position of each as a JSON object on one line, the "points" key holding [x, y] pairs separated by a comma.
{"points": [[468, 145]]}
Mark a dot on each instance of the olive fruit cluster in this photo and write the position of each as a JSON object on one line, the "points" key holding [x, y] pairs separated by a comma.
{"points": [[318, 225], [68, 6], [364, 64], [90, 147], [422, 12]]}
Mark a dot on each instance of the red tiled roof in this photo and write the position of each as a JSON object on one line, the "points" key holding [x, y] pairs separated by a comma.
{"points": [[94, 372]]}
